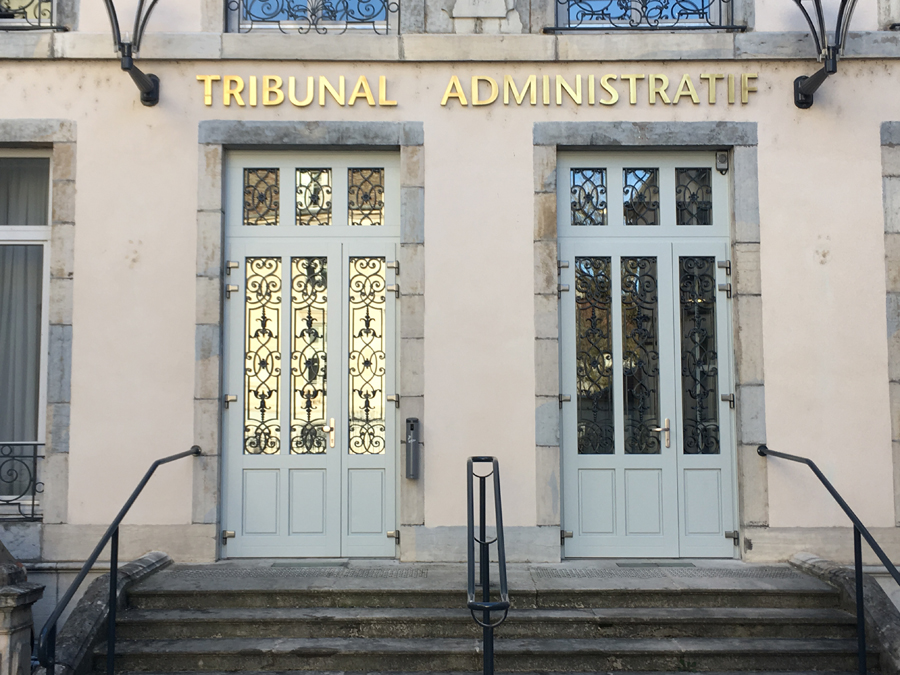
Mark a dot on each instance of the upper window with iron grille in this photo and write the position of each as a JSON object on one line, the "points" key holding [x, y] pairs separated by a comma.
{"points": [[27, 14], [644, 15], [323, 17]]}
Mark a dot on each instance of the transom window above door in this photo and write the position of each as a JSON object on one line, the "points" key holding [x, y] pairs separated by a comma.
{"points": [[315, 193], [641, 197]]}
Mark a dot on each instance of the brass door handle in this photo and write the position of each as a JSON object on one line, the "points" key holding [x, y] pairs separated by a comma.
{"points": [[667, 429], [329, 429]]}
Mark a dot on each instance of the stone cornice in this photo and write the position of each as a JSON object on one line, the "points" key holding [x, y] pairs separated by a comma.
{"points": [[423, 48]]}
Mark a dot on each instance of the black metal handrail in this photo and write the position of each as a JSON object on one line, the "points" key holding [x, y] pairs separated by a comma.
{"points": [[485, 606], [46, 650], [859, 532]]}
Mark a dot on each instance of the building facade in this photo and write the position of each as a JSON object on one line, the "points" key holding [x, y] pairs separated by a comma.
{"points": [[599, 243]]}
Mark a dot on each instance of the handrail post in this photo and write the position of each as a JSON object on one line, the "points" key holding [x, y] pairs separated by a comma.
{"points": [[113, 602], [484, 552], [860, 601], [488, 630], [51, 651]]}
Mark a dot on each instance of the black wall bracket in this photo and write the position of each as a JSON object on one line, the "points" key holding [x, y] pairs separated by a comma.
{"points": [[805, 87], [147, 83]]}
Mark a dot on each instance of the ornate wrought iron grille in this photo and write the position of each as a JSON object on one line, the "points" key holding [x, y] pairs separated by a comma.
{"points": [[699, 364], [26, 13], [313, 196], [593, 356], [588, 194], [367, 356], [261, 188], [644, 14], [640, 355], [693, 197], [19, 484], [365, 196], [309, 358], [262, 357], [641, 196], [314, 16]]}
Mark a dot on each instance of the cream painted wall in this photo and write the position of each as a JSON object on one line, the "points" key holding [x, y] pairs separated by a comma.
{"points": [[169, 16], [822, 273], [778, 15]]}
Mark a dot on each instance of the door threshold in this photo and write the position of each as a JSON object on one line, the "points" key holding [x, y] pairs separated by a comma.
{"points": [[311, 563], [655, 564]]}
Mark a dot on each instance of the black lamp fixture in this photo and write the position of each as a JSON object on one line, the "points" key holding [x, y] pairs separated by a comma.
{"points": [[805, 87], [128, 48]]}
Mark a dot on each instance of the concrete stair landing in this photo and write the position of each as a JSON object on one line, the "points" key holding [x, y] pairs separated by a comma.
{"points": [[575, 617]]}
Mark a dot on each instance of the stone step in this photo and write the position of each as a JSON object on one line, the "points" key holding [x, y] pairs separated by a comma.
{"points": [[513, 655], [458, 623], [479, 672], [174, 598]]}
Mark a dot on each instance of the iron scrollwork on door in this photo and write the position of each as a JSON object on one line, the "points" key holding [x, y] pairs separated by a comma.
{"points": [[593, 356], [365, 196], [693, 196], [313, 196], [699, 361], [261, 187], [309, 378], [641, 196], [315, 16], [262, 357], [640, 355], [367, 356], [588, 197]]}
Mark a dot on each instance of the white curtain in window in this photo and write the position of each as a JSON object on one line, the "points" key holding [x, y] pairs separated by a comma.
{"points": [[21, 276], [24, 190]]}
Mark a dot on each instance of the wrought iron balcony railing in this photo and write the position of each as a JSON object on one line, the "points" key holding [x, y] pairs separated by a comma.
{"points": [[20, 485], [643, 15], [26, 14], [314, 16]]}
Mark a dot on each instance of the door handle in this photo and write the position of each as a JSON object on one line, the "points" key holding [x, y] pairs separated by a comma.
{"points": [[329, 429], [666, 429]]}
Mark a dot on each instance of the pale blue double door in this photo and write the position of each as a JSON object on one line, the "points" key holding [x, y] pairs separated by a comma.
{"points": [[309, 431], [645, 356]]}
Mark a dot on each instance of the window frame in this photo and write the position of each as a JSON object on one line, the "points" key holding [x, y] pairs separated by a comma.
{"points": [[37, 235]]}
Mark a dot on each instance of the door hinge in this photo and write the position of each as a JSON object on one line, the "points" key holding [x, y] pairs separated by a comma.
{"points": [[231, 288], [560, 289], [734, 536], [563, 535], [726, 288], [395, 399], [725, 265], [231, 265], [394, 265], [395, 289], [564, 399], [562, 264], [226, 535], [229, 398], [394, 534], [729, 398]]}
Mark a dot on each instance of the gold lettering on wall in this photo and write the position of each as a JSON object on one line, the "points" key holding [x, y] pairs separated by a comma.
{"points": [[574, 89]]}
